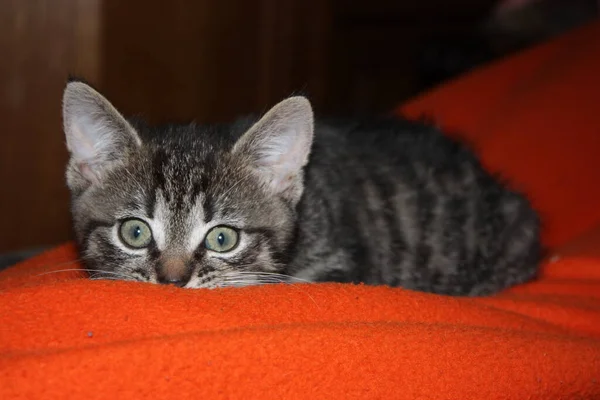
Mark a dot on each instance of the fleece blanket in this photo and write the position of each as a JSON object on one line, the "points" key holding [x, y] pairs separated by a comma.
{"points": [[534, 117]]}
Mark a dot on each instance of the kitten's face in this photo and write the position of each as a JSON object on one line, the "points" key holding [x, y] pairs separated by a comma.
{"points": [[184, 207]]}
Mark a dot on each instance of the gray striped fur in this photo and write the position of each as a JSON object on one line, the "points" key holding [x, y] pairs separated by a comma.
{"points": [[379, 201]]}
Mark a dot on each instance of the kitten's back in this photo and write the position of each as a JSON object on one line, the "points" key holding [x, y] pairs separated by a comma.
{"points": [[389, 201]]}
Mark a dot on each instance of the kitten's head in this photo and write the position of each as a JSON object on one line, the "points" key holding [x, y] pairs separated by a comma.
{"points": [[191, 206]]}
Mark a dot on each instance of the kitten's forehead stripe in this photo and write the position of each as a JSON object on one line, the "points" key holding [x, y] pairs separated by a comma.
{"points": [[209, 208], [160, 157], [150, 204], [200, 190], [197, 188]]}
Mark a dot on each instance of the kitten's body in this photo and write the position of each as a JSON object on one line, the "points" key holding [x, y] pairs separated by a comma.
{"points": [[398, 203], [383, 201]]}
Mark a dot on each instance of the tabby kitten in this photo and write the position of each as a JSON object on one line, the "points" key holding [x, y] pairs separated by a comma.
{"points": [[286, 198]]}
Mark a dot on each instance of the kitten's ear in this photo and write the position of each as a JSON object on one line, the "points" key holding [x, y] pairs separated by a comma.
{"points": [[278, 146], [97, 135]]}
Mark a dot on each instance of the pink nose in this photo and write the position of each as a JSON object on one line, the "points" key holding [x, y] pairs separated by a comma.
{"points": [[173, 271]]}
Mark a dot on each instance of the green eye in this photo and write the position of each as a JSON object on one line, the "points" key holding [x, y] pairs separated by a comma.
{"points": [[221, 239], [135, 233]]}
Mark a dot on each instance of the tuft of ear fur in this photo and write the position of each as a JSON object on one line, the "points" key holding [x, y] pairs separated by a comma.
{"points": [[278, 146], [98, 136]]}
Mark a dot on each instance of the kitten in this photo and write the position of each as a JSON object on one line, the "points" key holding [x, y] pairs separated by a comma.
{"points": [[285, 198]]}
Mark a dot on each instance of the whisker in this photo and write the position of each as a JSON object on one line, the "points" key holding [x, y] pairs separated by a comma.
{"points": [[275, 274], [236, 283], [112, 278], [61, 270], [81, 269], [115, 276], [63, 263], [247, 278], [237, 275]]}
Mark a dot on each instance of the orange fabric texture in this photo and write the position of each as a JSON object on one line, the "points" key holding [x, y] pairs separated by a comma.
{"points": [[532, 117]]}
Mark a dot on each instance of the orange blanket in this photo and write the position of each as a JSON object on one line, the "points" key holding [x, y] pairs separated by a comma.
{"points": [[536, 117]]}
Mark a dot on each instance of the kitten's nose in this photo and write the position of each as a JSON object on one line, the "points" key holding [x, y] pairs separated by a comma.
{"points": [[173, 271]]}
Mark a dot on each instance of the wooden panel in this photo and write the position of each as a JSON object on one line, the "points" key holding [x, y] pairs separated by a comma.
{"points": [[182, 61], [209, 60], [40, 43]]}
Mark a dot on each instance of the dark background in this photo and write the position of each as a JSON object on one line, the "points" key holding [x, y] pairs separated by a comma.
{"points": [[211, 60]]}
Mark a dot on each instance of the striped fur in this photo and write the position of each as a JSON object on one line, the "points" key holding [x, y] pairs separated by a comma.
{"points": [[381, 201]]}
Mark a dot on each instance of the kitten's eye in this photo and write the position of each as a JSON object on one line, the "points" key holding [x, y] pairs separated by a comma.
{"points": [[135, 233], [221, 239]]}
